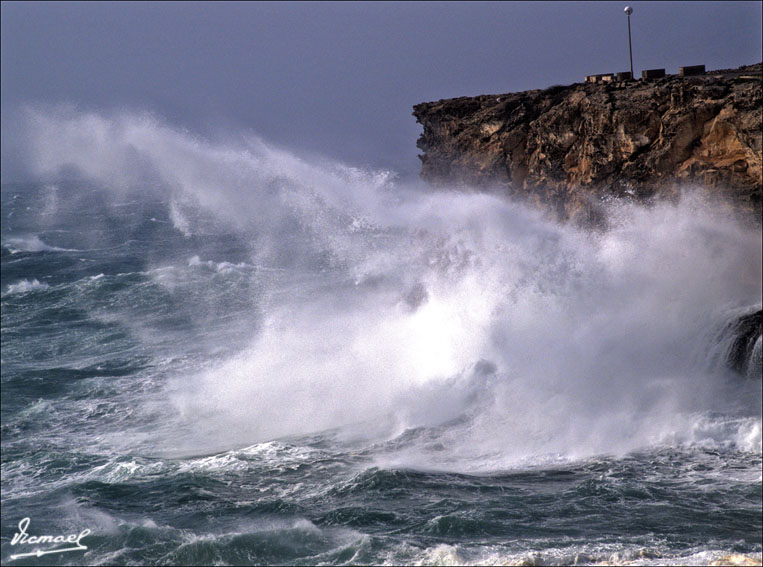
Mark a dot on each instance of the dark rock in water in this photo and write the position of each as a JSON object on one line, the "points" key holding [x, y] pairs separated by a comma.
{"points": [[568, 149], [741, 356]]}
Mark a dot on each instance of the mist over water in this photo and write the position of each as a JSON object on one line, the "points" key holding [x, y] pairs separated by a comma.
{"points": [[383, 307], [221, 352]]}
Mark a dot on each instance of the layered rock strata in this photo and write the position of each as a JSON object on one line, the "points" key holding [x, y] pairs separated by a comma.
{"points": [[570, 148]]}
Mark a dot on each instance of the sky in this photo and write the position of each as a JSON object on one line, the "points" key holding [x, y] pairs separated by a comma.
{"points": [[339, 79]]}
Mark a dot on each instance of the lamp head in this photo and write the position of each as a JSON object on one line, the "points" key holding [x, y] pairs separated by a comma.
{"points": [[628, 10]]}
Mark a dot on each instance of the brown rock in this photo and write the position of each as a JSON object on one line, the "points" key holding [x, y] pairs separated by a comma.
{"points": [[569, 148]]}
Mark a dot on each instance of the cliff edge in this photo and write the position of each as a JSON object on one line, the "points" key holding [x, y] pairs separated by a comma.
{"points": [[570, 148]]}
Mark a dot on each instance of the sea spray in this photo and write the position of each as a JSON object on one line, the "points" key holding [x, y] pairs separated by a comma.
{"points": [[236, 355], [386, 308]]}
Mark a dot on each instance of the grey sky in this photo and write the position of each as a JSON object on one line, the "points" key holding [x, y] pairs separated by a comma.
{"points": [[339, 79]]}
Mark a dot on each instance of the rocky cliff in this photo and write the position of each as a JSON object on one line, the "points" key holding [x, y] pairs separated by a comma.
{"points": [[570, 148]]}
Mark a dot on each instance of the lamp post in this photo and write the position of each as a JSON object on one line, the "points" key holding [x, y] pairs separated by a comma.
{"points": [[629, 11]]}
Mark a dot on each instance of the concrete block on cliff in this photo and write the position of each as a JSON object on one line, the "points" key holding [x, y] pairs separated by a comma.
{"points": [[691, 70], [602, 78], [652, 73]]}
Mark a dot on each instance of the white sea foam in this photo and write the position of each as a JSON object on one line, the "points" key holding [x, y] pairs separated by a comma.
{"points": [[31, 243], [25, 286], [219, 267], [398, 308], [591, 554]]}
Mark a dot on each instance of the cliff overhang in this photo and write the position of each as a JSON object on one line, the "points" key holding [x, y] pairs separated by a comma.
{"points": [[568, 149]]}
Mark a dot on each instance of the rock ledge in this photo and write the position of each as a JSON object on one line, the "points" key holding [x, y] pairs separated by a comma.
{"points": [[569, 148]]}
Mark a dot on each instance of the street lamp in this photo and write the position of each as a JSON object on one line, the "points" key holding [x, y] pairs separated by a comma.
{"points": [[629, 11]]}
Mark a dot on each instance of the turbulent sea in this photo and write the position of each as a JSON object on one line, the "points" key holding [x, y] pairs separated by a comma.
{"points": [[218, 352]]}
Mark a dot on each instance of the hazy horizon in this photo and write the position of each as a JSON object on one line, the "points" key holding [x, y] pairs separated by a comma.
{"points": [[338, 79]]}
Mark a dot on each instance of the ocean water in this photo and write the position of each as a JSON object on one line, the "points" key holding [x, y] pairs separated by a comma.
{"points": [[219, 352]]}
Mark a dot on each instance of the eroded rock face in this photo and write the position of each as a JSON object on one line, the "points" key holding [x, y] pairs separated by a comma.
{"points": [[568, 148]]}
